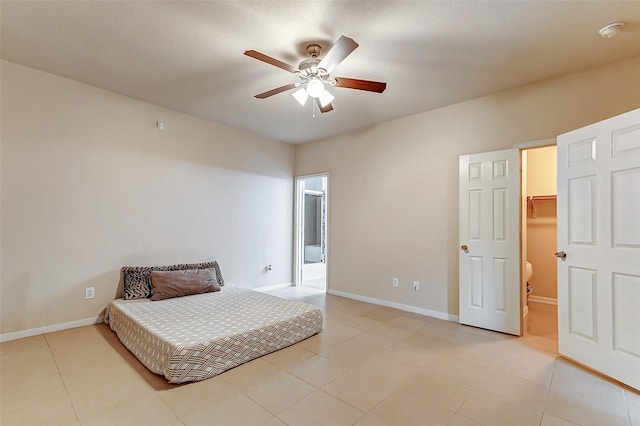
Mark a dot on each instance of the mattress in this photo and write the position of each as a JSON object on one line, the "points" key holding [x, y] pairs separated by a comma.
{"points": [[195, 337]]}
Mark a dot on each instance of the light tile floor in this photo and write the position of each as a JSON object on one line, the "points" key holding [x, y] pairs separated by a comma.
{"points": [[371, 365]]}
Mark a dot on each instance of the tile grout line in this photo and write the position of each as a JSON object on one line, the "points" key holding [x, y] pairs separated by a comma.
{"points": [[626, 402], [546, 395], [321, 388], [553, 372], [71, 399], [242, 391], [364, 413], [64, 385]]}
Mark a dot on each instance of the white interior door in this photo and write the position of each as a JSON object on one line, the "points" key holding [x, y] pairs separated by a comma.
{"points": [[489, 263], [599, 231]]}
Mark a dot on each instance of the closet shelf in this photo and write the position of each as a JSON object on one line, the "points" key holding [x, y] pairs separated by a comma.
{"points": [[534, 198]]}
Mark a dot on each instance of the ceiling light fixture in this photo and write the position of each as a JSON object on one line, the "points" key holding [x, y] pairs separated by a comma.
{"points": [[314, 88], [611, 30]]}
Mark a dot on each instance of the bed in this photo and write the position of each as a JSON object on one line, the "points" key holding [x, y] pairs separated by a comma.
{"points": [[196, 337]]}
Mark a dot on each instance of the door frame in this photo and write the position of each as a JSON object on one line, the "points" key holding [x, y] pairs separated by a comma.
{"points": [[524, 307], [522, 223], [298, 242]]}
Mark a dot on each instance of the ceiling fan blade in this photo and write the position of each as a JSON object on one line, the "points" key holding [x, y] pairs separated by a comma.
{"points": [[269, 60], [369, 86], [326, 108], [343, 48], [276, 90]]}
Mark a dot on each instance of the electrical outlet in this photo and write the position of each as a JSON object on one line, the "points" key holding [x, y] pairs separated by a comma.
{"points": [[269, 268], [395, 282], [89, 292], [416, 285]]}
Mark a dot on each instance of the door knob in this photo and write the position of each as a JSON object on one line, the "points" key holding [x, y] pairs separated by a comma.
{"points": [[464, 247], [561, 255]]}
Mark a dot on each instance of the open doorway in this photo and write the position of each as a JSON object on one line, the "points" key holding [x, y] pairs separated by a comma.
{"points": [[311, 232], [539, 242]]}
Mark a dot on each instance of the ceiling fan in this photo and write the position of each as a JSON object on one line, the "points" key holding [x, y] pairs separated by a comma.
{"points": [[315, 73]]}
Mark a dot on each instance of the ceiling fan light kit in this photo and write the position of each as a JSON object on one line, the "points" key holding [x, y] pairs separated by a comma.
{"points": [[301, 95], [314, 74], [315, 87], [325, 98]]}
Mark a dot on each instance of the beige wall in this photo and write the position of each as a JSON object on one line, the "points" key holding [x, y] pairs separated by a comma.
{"points": [[89, 185], [542, 233], [542, 240], [542, 175], [394, 187]]}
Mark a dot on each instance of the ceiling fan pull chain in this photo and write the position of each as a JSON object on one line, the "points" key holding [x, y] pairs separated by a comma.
{"points": [[313, 110]]}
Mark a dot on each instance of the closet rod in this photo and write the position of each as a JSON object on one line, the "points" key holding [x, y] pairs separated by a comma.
{"points": [[540, 197]]}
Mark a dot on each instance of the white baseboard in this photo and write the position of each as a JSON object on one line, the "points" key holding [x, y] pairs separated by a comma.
{"points": [[273, 287], [401, 306], [545, 300], [50, 328]]}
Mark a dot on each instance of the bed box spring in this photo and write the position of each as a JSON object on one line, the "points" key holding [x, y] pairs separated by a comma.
{"points": [[193, 338]]}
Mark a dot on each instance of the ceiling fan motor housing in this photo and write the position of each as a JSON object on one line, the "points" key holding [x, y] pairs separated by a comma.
{"points": [[309, 69]]}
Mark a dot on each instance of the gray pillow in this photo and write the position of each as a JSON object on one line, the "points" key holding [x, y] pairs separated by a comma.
{"points": [[170, 284]]}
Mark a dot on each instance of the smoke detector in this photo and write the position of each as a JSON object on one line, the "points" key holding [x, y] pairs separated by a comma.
{"points": [[611, 30]]}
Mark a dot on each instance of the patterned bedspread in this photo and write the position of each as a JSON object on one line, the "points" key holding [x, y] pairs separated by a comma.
{"points": [[193, 338]]}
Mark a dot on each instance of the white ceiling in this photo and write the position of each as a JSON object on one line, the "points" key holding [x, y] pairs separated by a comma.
{"points": [[188, 56]]}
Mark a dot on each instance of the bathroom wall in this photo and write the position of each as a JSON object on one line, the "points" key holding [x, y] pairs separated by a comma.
{"points": [[542, 229], [311, 226]]}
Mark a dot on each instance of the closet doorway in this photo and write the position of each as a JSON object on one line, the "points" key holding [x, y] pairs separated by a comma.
{"points": [[539, 244], [311, 231]]}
